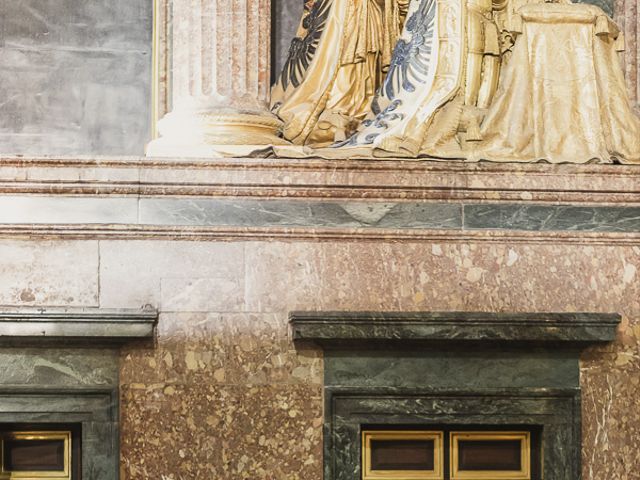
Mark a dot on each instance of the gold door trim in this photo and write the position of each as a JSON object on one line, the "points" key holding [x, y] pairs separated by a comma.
{"points": [[438, 459], [525, 451], [37, 435]]}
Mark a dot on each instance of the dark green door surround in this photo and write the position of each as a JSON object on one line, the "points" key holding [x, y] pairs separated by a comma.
{"points": [[60, 366], [455, 368]]}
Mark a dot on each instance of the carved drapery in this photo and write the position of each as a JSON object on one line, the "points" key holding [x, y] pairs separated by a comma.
{"points": [[234, 75], [437, 98]]}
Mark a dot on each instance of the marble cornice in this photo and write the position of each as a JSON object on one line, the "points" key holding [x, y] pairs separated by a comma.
{"points": [[340, 329], [400, 180], [319, 200], [182, 233], [75, 326]]}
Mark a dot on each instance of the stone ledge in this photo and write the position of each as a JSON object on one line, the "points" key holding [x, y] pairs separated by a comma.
{"points": [[197, 234], [340, 329], [327, 179], [289, 213], [57, 325], [312, 199]]}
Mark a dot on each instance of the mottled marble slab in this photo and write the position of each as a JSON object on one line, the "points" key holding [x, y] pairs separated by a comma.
{"points": [[332, 329], [553, 218], [257, 213], [49, 273]]}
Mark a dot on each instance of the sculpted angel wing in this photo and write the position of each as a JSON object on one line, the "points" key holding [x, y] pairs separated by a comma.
{"points": [[303, 49], [412, 59]]}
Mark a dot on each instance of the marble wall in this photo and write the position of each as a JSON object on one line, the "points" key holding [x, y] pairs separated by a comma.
{"points": [[226, 248], [223, 393], [75, 77], [224, 390]]}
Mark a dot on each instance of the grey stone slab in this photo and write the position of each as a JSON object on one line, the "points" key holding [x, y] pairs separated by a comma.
{"points": [[552, 218], [292, 213], [68, 210], [66, 326], [75, 77], [59, 405]]}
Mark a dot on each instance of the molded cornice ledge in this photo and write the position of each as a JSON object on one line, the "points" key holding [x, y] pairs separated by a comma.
{"points": [[351, 329], [76, 326]]}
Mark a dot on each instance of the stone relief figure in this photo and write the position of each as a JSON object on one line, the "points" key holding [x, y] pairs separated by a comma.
{"points": [[502, 80], [335, 65]]}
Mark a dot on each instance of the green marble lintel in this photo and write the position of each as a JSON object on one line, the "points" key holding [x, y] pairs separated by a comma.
{"points": [[337, 329]]}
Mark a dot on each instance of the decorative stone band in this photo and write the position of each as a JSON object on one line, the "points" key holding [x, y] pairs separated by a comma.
{"points": [[340, 329], [76, 326], [207, 218], [311, 199], [452, 368], [400, 180]]}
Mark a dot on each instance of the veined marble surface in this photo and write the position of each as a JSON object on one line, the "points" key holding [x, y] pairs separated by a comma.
{"points": [[224, 375]]}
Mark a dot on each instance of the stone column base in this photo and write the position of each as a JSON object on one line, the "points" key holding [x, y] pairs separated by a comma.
{"points": [[227, 134]]}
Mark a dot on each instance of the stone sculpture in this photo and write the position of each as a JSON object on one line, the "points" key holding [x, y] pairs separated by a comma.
{"points": [[508, 80], [334, 67]]}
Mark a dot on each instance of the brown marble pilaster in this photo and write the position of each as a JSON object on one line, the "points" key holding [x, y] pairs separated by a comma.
{"points": [[220, 79], [627, 13]]}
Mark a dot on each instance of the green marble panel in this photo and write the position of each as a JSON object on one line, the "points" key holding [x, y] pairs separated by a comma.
{"points": [[66, 386], [552, 218], [476, 369]]}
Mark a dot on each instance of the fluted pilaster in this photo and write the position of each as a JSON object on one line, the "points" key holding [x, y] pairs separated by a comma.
{"points": [[220, 79]]}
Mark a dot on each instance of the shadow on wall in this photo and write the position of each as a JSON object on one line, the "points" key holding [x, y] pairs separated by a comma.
{"points": [[286, 16]]}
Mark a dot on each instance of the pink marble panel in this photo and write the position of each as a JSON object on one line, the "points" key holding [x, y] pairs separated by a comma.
{"points": [[227, 383]]}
